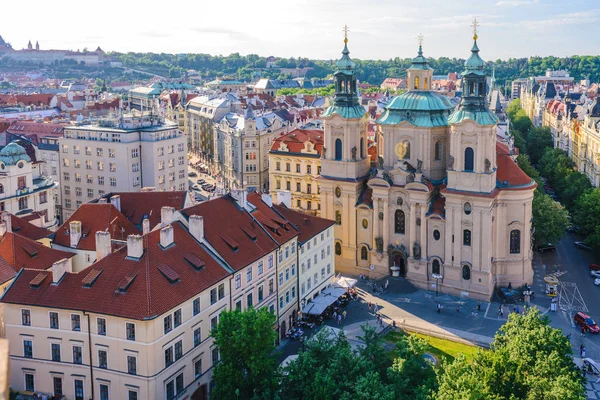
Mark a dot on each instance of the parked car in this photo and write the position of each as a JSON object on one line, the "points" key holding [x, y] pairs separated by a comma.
{"points": [[195, 187], [572, 228], [595, 273], [192, 174], [594, 267], [201, 181], [583, 246], [584, 320], [546, 247]]}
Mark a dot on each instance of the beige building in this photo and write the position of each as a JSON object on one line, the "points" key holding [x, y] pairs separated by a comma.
{"points": [[202, 113], [123, 155], [294, 166], [446, 205]]}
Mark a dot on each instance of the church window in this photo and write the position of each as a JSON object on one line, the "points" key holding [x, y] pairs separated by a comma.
{"points": [[425, 83], [469, 159], [466, 272], [407, 150], [399, 222], [467, 208], [481, 92], [1, 188], [466, 237], [364, 253], [435, 267], [515, 241], [338, 192], [471, 88], [338, 249], [416, 82], [436, 235], [438, 150], [338, 217], [362, 148], [338, 149], [365, 223]]}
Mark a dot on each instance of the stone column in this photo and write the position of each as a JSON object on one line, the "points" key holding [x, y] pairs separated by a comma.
{"points": [[448, 250], [423, 241], [386, 224], [412, 237]]}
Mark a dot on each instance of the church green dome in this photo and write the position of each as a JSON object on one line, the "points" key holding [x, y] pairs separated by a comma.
{"points": [[420, 108], [345, 64], [420, 62], [12, 153], [474, 64]]}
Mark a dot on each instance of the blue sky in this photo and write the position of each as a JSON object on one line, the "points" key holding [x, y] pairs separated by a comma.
{"points": [[379, 29]]}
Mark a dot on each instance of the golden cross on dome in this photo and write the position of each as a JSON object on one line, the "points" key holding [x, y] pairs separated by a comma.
{"points": [[475, 25], [345, 30], [420, 39]]}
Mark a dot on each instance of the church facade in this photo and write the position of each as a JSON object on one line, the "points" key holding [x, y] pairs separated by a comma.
{"points": [[446, 204]]}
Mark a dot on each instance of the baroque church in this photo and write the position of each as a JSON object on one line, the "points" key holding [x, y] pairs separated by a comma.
{"points": [[445, 206]]}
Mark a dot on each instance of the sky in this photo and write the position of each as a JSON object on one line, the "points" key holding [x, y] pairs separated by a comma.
{"points": [[378, 29]]}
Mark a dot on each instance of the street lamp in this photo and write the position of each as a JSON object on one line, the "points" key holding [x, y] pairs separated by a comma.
{"points": [[437, 278]]}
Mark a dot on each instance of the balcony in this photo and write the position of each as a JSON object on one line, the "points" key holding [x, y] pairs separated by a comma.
{"points": [[23, 191]]}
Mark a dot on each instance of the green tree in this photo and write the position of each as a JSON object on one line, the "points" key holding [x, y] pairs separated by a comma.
{"points": [[521, 123], [538, 139], [525, 165], [528, 359], [576, 184], [412, 378], [586, 216], [550, 218], [513, 107], [246, 343]]}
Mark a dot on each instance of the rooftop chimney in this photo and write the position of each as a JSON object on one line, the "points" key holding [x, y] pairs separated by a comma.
{"points": [[267, 199], [167, 215], [135, 246], [7, 220], [145, 226], [196, 226], [59, 268], [2, 229], [75, 232], [116, 201], [285, 197], [103, 247], [166, 236], [240, 196]]}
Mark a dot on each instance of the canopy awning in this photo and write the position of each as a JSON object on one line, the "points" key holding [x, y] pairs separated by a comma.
{"points": [[323, 300], [345, 283], [314, 308], [333, 291]]}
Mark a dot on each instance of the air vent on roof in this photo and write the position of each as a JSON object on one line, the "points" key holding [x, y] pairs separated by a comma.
{"points": [[91, 277], [249, 233], [168, 272], [86, 231], [30, 249], [231, 243], [194, 261], [126, 282], [37, 281]]}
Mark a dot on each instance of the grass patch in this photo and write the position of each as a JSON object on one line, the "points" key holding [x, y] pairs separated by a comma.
{"points": [[440, 348]]}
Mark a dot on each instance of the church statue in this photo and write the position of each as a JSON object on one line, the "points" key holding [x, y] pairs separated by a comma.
{"points": [[380, 162], [354, 153], [416, 250], [488, 165], [324, 152], [419, 166], [450, 162], [379, 244], [399, 201]]}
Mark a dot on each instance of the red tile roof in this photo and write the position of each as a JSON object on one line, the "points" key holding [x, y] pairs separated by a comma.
{"points": [[18, 252], [137, 205], [295, 140], [147, 292], [508, 172], [35, 130], [228, 228], [279, 228], [27, 229], [307, 225], [94, 218]]}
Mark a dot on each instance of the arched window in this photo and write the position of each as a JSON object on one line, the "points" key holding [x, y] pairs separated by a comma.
{"points": [[471, 88], [364, 253], [338, 217], [338, 249], [416, 82], [469, 159], [515, 241], [466, 237], [362, 148], [466, 272], [439, 148], [399, 221], [407, 147], [338, 149], [435, 267], [1, 188], [425, 83], [481, 92]]}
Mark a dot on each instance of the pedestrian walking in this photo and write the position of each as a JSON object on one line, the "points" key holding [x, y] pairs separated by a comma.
{"points": [[369, 305], [569, 337], [387, 282], [500, 311], [517, 309], [344, 314], [375, 307], [583, 352], [335, 315], [580, 349], [380, 320], [439, 308], [478, 306], [339, 319], [458, 308]]}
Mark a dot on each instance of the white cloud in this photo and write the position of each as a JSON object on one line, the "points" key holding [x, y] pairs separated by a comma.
{"points": [[515, 3]]}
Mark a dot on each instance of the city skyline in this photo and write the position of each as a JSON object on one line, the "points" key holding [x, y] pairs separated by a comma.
{"points": [[313, 29]]}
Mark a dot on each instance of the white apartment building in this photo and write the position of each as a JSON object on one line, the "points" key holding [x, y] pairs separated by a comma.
{"points": [[123, 155], [24, 190], [201, 115]]}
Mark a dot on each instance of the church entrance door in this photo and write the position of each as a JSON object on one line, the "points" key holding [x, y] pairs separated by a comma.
{"points": [[399, 262]]}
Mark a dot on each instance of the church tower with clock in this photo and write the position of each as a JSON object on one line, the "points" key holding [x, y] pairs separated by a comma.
{"points": [[345, 161]]}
